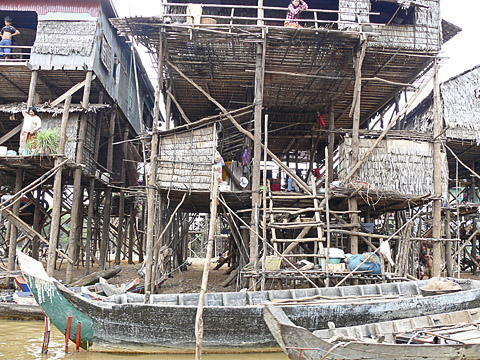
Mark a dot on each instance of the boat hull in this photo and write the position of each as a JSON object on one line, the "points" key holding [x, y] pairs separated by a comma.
{"points": [[231, 320], [300, 344]]}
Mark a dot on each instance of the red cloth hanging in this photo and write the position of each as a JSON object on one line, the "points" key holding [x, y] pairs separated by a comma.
{"points": [[320, 121]]}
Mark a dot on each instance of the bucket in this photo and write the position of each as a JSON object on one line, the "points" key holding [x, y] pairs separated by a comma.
{"points": [[3, 150]]}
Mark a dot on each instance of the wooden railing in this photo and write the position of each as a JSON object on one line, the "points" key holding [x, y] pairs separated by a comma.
{"points": [[18, 55], [228, 15]]}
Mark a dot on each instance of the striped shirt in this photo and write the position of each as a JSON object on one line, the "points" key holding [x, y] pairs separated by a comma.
{"points": [[293, 12]]}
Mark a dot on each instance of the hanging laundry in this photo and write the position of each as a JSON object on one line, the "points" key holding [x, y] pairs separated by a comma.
{"points": [[320, 121]]}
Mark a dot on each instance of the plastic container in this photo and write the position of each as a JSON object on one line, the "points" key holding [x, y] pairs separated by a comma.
{"points": [[3, 150], [272, 262]]}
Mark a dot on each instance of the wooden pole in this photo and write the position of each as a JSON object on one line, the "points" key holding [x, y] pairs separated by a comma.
{"points": [[36, 224], [206, 267], [257, 151], [121, 209], [448, 245], [77, 201], [13, 229], [264, 198], [91, 193], [437, 176], [352, 201], [86, 89], [473, 253], [57, 192], [31, 89], [153, 174], [107, 206], [327, 212], [331, 142]]}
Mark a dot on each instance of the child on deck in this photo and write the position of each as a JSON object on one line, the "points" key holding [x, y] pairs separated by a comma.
{"points": [[294, 9]]}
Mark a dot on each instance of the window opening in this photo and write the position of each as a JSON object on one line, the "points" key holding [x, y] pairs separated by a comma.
{"points": [[392, 12]]}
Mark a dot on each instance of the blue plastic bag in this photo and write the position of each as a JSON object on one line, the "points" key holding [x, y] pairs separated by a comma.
{"points": [[372, 265]]}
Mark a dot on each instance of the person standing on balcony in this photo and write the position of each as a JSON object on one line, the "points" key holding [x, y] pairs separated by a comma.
{"points": [[7, 33], [31, 124], [294, 9]]}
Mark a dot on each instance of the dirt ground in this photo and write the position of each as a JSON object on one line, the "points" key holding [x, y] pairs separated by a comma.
{"points": [[188, 281]]}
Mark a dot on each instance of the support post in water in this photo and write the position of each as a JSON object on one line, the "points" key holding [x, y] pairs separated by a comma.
{"points": [[46, 335], [206, 268], [77, 339], [67, 333]]}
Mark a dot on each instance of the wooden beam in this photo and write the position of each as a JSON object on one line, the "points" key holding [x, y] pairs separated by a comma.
{"points": [[31, 233], [184, 116], [70, 92], [11, 133]]}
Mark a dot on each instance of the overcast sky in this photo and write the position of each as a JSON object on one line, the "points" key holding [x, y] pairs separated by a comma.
{"points": [[461, 53]]}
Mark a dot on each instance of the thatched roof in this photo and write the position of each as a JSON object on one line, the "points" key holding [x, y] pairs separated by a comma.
{"points": [[16, 108], [65, 37]]}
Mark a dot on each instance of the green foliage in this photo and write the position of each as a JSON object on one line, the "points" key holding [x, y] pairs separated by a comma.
{"points": [[47, 141]]}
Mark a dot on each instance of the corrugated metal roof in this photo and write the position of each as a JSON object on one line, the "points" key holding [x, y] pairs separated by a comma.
{"points": [[43, 7]]}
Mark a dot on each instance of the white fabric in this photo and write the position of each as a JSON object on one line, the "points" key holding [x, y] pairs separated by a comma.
{"points": [[195, 10], [31, 123]]}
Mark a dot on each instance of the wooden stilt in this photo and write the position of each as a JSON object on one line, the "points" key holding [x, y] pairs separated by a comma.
{"points": [[57, 192], [121, 209], [108, 196], [13, 229], [448, 245], [131, 228], [31, 89], [206, 268], [331, 142], [473, 253], [257, 153], [36, 224], [153, 174], [437, 175], [264, 200], [77, 198]]}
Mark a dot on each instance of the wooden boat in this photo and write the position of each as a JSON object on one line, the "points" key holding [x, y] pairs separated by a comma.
{"points": [[165, 322], [453, 335]]}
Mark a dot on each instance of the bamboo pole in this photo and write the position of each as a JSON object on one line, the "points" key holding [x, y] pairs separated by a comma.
{"points": [[437, 175], [57, 192], [331, 144], [206, 268]]}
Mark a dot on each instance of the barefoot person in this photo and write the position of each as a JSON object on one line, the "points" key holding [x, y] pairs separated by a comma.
{"points": [[294, 9], [31, 123], [7, 33]]}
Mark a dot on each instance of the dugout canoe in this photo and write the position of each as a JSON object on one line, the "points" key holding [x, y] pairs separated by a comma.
{"points": [[231, 320], [452, 336]]}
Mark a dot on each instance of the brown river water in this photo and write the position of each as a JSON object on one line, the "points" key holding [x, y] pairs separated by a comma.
{"points": [[23, 340]]}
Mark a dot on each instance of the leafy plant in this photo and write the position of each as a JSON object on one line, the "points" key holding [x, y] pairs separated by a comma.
{"points": [[47, 141]]}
